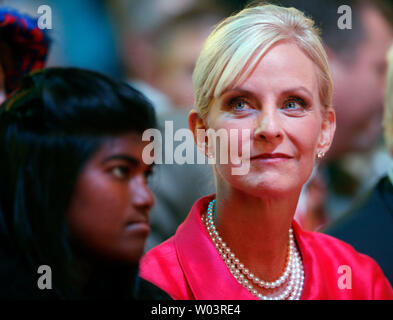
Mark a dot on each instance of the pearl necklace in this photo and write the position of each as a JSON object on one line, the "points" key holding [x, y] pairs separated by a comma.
{"points": [[293, 272]]}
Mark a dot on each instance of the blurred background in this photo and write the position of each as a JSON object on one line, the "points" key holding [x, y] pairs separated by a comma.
{"points": [[97, 34]]}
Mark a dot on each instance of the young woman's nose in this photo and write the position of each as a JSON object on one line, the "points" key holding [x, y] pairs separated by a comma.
{"points": [[141, 196]]}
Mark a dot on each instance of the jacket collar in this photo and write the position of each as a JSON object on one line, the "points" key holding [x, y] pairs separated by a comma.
{"points": [[205, 271]]}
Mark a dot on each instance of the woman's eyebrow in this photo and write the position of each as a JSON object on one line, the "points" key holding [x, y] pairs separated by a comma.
{"points": [[133, 161], [239, 91], [246, 92], [297, 89]]}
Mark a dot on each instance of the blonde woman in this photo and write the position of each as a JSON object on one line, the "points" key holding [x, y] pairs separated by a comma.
{"points": [[264, 71]]}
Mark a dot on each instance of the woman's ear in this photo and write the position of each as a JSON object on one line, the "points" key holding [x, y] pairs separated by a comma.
{"points": [[327, 132], [198, 128]]}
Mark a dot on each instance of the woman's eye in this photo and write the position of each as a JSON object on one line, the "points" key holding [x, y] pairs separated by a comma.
{"points": [[121, 172], [291, 105], [294, 104], [239, 104]]}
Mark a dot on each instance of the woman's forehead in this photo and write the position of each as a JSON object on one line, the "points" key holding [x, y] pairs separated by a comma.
{"points": [[284, 67]]}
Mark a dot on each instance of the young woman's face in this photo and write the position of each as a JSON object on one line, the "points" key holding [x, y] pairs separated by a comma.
{"points": [[109, 210], [279, 103]]}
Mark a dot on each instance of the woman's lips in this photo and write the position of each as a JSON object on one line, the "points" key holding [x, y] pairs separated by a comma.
{"points": [[271, 157], [138, 226]]}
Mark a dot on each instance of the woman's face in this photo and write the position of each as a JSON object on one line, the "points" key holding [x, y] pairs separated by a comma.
{"points": [[109, 210], [279, 103]]}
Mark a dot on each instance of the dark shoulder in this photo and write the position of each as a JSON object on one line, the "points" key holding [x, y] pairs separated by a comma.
{"points": [[18, 281], [372, 209], [339, 250], [145, 290]]}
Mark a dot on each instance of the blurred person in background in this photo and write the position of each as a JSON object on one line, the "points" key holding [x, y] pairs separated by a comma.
{"points": [[73, 187], [357, 60], [159, 57], [23, 48], [368, 226]]}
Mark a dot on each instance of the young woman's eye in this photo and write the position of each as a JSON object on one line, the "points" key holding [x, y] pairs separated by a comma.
{"points": [[121, 172]]}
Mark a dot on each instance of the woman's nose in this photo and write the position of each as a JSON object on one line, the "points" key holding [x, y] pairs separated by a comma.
{"points": [[269, 127], [142, 197]]}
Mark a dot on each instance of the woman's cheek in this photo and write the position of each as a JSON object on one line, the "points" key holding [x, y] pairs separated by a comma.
{"points": [[235, 146]]}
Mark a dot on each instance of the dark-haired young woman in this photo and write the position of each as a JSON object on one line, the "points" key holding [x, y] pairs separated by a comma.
{"points": [[74, 199]]}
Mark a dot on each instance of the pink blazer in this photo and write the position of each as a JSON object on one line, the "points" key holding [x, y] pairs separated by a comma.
{"points": [[187, 266]]}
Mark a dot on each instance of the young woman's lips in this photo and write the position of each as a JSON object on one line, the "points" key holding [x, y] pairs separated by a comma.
{"points": [[138, 226], [271, 157]]}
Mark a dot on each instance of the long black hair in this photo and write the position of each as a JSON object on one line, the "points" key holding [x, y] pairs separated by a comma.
{"points": [[48, 130]]}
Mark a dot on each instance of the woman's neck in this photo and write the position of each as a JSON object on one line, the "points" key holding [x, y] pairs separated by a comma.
{"points": [[256, 229]]}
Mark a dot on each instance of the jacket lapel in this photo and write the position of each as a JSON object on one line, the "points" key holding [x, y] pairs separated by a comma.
{"points": [[205, 271]]}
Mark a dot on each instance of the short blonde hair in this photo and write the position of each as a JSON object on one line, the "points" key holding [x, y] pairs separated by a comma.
{"points": [[236, 45], [388, 106]]}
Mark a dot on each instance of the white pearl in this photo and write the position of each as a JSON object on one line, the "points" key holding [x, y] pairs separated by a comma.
{"points": [[293, 269]]}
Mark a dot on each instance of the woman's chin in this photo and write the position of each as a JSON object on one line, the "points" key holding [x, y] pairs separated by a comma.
{"points": [[267, 189], [272, 191], [270, 183]]}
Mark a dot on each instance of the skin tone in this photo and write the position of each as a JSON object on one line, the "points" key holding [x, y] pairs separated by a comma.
{"points": [[279, 103], [359, 88], [109, 210]]}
